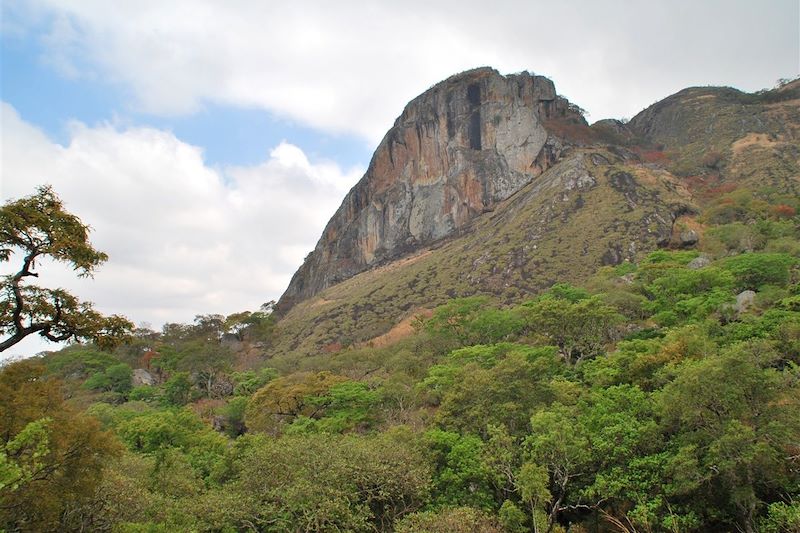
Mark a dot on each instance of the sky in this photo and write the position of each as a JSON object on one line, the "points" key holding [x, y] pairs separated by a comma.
{"points": [[207, 143]]}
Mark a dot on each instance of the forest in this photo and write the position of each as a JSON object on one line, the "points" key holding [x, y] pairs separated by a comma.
{"points": [[662, 396]]}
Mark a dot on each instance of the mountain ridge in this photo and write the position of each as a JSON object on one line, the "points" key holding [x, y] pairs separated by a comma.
{"points": [[623, 190]]}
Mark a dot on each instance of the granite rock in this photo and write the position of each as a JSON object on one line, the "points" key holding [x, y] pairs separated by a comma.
{"points": [[457, 150]]}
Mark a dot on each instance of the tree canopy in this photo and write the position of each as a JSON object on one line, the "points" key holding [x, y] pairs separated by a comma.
{"points": [[37, 227]]}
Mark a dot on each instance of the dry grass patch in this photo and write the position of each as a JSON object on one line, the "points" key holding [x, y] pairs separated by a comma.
{"points": [[403, 329]]}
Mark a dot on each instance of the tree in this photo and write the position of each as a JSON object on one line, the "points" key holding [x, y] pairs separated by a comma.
{"points": [[34, 227], [561, 446], [178, 389], [51, 457], [532, 481], [472, 320], [117, 378], [207, 362], [580, 330], [324, 482], [209, 327], [451, 520], [282, 400], [736, 418]]}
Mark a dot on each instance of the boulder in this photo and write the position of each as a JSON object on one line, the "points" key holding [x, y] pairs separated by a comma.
{"points": [[143, 377], [689, 238], [745, 300], [700, 261]]}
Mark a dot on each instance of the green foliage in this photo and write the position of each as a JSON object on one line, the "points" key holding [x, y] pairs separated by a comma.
{"points": [[561, 446], [281, 401], [116, 378], [512, 518], [736, 416], [98, 381], [23, 457], [450, 520], [472, 320], [533, 481], [233, 414], [144, 393], [38, 226], [536, 417], [79, 360], [501, 394], [51, 458], [752, 271], [565, 291], [680, 294], [669, 257], [178, 389], [248, 382], [460, 475], [326, 482], [176, 436], [781, 517], [206, 361], [347, 405], [581, 330]]}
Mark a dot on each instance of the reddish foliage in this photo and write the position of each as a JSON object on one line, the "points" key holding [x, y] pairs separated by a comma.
{"points": [[654, 156], [784, 211], [332, 347], [725, 188], [571, 130], [695, 182], [147, 358]]}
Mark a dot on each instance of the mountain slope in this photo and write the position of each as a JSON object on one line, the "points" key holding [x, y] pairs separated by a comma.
{"points": [[582, 197], [750, 139], [594, 207]]}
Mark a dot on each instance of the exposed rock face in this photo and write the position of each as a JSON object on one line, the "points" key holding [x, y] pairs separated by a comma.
{"points": [[689, 238], [745, 300], [701, 261], [521, 193], [143, 377], [464, 145]]}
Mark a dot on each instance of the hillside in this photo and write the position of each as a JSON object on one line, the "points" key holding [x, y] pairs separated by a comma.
{"points": [[588, 196], [592, 208]]}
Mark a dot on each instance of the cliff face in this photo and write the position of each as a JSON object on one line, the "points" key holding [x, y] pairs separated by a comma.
{"points": [[461, 147]]}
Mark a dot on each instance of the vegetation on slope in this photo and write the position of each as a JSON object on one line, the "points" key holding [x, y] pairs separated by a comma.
{"points": [[659, 395], [594, 207], [646, 179]]}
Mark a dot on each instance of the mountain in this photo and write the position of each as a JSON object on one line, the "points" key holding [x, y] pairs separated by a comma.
{"points": [[457, 150], [492, 184]]}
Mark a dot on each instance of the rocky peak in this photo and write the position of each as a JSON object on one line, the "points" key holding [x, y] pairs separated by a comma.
{"points": [[464, 145]]}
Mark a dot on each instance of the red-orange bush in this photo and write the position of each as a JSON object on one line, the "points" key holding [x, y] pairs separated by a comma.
{"points": [[783, 211]]}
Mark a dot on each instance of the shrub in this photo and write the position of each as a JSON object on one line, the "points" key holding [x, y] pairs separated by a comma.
{"points": [[753, 270]]}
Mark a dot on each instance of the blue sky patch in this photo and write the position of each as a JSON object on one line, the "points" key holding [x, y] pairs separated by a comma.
{"points": [[228, 135]]}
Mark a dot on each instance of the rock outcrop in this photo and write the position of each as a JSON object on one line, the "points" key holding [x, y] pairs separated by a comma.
{"points": [[457, 150], [494, 185], [143, 377]]}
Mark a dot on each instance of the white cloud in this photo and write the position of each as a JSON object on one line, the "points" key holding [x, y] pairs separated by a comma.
{"points": [[347, 66], [183, 238]]}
